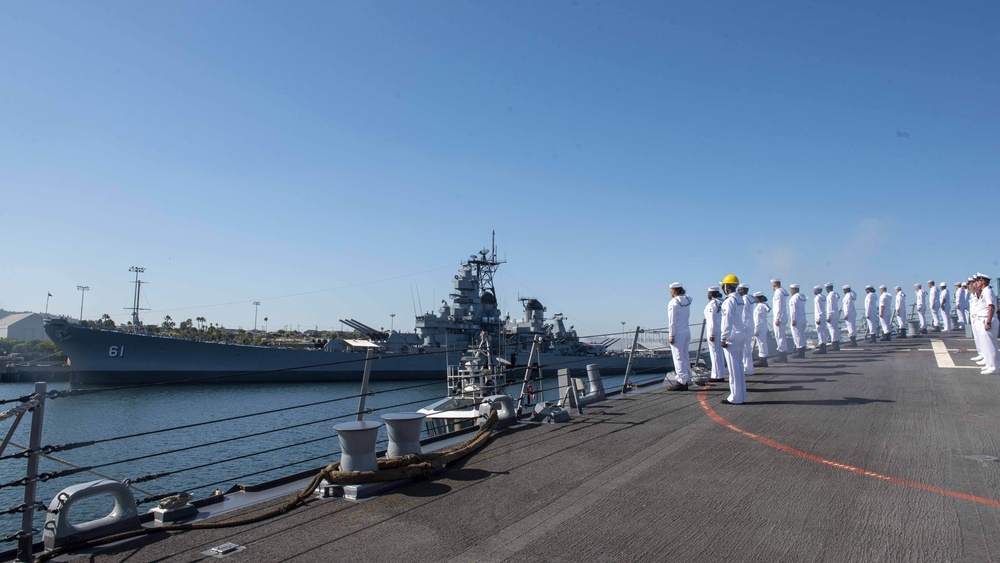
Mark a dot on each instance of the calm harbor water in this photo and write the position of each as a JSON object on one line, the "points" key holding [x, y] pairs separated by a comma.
{"points": [[308, 442]]}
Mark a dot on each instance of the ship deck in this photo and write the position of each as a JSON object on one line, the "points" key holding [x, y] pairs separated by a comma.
{"points": [[866, 454]]}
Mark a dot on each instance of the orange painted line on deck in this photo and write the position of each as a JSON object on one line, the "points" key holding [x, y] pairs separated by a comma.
{"points": [[703, 400]]}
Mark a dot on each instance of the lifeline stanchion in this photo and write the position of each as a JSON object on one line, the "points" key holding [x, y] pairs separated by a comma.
{"points": [[631, 354], [25, 541], [701, 339]]}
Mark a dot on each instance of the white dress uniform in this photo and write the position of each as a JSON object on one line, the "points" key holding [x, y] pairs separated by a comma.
{"points": [[962, 306], [885, 312], [851, 314], [713, 328], [945, 301], [734, 337], [678, 318], [978, 311], [921, 298], [760, 312], [748, 304], [780, 312], [900, 303], [935, 303], [819, 313], [871, 313], [833, 315], [797, 304], [989, 337]]}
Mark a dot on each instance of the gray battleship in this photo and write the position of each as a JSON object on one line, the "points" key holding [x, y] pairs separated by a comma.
{"points": [[114, 357]]}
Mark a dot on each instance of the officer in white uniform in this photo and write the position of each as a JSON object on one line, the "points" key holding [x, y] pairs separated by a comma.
{"points": [[797, 304], [678, 319], [944, 297], [819, 313], [921, 298], [935, 303], [780, 312], [901, 311], [988, 318], [885, 312], [833, 315], [871, 314], [984, 317], [851, 315], [713, 328], [733, 339], [748, 306], [977, 312], [962, 305], [760, 311]]}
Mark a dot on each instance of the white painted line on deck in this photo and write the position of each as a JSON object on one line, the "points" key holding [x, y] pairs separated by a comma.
{"points": [[944, 358]]}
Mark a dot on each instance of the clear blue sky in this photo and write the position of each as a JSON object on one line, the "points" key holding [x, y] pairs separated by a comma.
{"points": [[338, 159]]}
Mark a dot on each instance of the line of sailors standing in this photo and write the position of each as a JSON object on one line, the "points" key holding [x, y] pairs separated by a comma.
{"points": [[734, 321]]}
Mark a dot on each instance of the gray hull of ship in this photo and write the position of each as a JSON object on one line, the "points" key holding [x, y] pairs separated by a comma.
{"points": [[104, 357]]}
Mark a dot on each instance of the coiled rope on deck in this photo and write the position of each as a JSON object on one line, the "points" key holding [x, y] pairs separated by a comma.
{"points": [[410, 466]]}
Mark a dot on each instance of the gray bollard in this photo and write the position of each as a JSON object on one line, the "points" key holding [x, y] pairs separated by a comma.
{"points": [[403, 429], [915, 329], [595, 392], [357, 445]]}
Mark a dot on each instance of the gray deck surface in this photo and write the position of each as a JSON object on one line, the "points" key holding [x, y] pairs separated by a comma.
{"points": [[651, 477]]}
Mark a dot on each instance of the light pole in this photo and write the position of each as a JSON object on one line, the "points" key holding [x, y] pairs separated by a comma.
{"points": [[255, 305], [83, 291], [392, 320]]}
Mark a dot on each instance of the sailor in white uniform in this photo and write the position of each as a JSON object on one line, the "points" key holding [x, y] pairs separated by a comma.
{"points": [[962, 305], [977, 311], [885, 312], [988, 318], [944, 297], [935, 303], [900, 304], [678, 320], [921, 297], [819, 313], [748, 305], [871, 314], [713, 328], [797, 306], [760, 311], [780, 312], [833, 315], [733, 338], [851, 315]]}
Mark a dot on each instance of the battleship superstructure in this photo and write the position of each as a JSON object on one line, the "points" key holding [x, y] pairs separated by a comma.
{"points": [[102, 356]]}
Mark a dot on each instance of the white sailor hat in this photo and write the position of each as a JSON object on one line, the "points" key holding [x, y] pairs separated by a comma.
{"points": [[743, 286], [916, 285], [758, 294], [930, 281], [793, 286], [776, 280], [882, 287], [897, 288], [869, 286], [942, 284], [846, 286], [819, 287], [677, 285], [714, 288], [964, 284], [829, 284], [959, 284], [982, 275]]}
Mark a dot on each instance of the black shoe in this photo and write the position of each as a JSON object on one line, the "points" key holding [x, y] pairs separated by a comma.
{"points": [[854, 342], [821, 349], [760, 363], [801, 353], [678, 386], [728, 402], [782, 358], [836, 346]]}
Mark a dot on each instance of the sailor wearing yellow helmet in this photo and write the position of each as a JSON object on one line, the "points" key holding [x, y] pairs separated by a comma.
{"points": [[733, 339]]}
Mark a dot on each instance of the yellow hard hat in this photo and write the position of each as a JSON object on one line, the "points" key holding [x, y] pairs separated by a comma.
{"points": [[731, 279]]}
